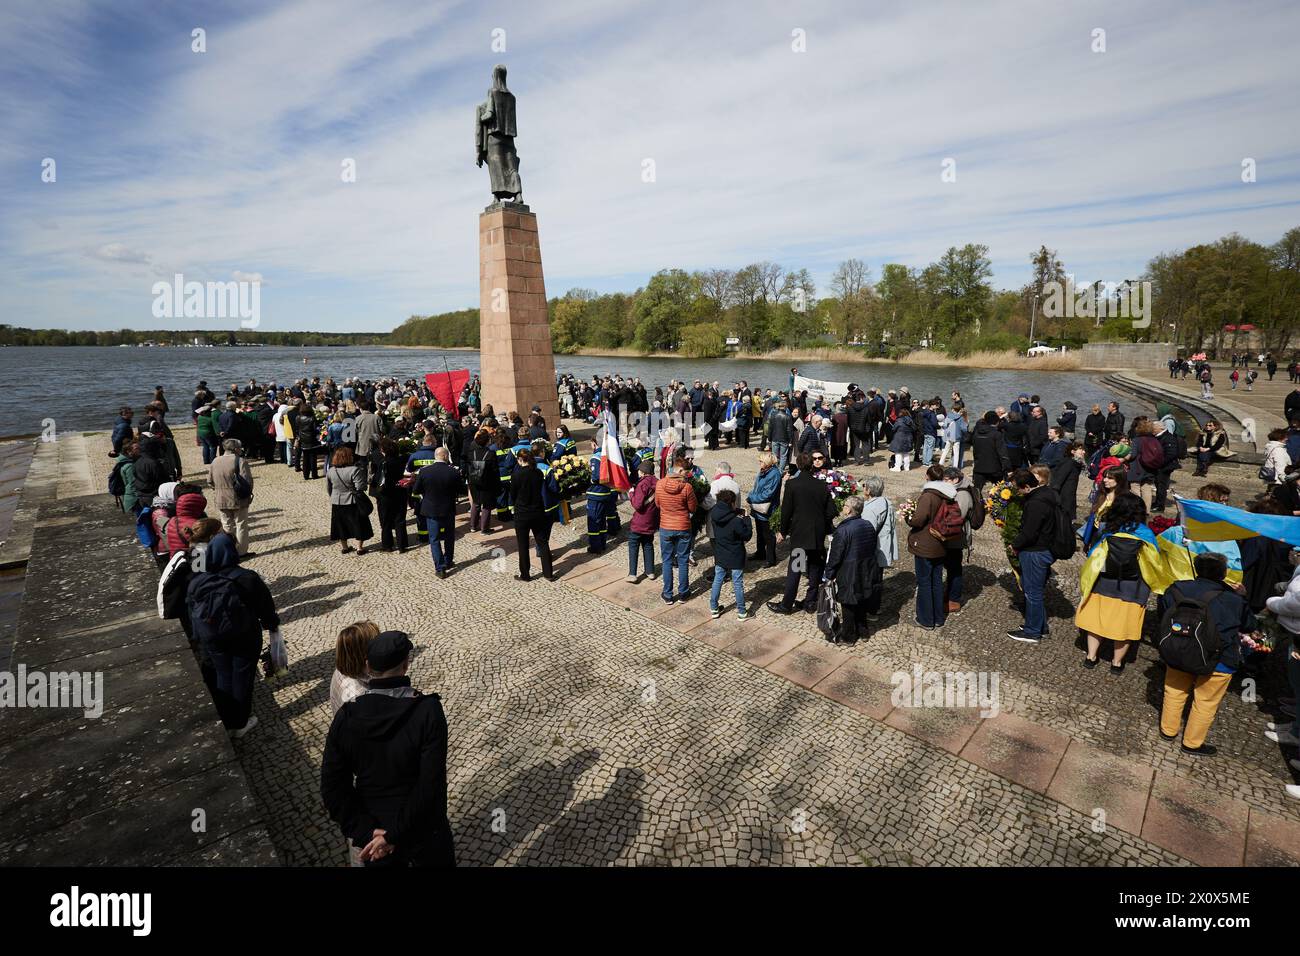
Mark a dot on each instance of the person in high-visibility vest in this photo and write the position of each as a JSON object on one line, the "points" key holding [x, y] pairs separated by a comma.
{"points": [[602, 508], [564, 445], [419, 458], [505, 466]]}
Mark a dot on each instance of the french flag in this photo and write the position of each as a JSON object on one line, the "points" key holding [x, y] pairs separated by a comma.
{"points": [[613, 470]]}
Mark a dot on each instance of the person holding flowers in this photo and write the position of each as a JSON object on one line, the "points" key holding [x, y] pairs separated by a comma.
{"points": [[1032, 551], [932, 522]]}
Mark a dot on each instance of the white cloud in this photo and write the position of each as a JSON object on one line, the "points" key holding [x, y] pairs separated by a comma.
{"points": [[761, 153]]}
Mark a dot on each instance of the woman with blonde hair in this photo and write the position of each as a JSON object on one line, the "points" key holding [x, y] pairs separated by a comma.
{"points": [[763, 499], [350, 679]]}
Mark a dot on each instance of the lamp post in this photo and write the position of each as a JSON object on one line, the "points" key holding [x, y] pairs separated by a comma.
{"points": [[1033, 318]]}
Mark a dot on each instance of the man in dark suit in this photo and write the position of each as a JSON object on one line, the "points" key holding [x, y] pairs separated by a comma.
{"points": [[807, 513], [439, 485]]}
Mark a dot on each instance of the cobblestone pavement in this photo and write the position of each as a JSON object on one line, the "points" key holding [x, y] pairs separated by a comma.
{"points": [[586, 731]]}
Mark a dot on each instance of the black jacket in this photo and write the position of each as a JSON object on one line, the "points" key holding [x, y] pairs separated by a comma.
{"points": [[306, 430], [1039, 521], [852, 561], [858, 421], [1115, 426], [1065, 479], [439, 486], [151, 470], [385, 768], [1095, 424], [526, 493], [489, 477], [807, 512], [1037, 434], [990, 450], [731, 530]]}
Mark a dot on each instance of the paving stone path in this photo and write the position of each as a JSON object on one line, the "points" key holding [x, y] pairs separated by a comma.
{"points": [[591, 724]]}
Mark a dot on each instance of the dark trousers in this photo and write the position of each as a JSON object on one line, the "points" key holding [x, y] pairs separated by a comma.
{"points": [[541, 529], [742, 436], [209, 443], [952, 570], [858, 443], [1161, 495], [855, 621], [441, 534], [480, 510], [234, 666], [872, 603], [764, 542], [815, 565], [392, 520], [309, 458], [930, 609]]}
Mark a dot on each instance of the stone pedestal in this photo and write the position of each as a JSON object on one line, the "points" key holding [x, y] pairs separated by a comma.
{"points": [[516, 364]]}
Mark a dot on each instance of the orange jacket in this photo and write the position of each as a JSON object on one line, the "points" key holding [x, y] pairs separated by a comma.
{"points": [[677, 502]]}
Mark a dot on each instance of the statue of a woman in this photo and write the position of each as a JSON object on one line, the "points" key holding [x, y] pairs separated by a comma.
{"points": [[495, 138]]}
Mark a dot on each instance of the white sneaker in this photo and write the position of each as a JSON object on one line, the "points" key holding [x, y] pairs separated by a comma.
{"points": [[1278, 725], [633, 578], [252, 722], [1293, 791], [1282, 737]]}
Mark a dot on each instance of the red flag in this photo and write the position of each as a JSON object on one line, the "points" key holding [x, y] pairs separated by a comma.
{"points": [[446, 388]]}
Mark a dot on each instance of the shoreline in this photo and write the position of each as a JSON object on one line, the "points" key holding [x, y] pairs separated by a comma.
{"points": [[922, 357]]}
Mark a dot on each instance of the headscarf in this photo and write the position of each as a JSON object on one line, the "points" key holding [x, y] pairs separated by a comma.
{"points": [[221, 553], [166, 496]]}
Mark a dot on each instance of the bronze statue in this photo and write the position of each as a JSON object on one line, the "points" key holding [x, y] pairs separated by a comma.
{"points": [[495, 138]]}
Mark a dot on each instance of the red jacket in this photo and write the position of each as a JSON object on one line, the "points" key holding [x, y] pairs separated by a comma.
{"points": [[645, 509], [676, 500], [189, 509]]}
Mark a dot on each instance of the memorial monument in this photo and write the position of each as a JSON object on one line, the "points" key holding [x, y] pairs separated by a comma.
{"points": [[516, 365]]}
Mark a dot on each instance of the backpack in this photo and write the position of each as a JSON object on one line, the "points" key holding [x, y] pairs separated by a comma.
{"points": [[1267, 473], [1151, 455], [1188, 639], [830, 613], [116, 483], [477, 468], [1181, 446], [1205, 375], [217, 611], [144, 530], [1064, 540], [947, 523], [977, 512], [243, 490]]}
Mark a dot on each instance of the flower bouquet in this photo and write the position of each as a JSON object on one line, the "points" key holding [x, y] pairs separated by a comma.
{"points": [[843, 487], [407, 446], [542, 449], [906, 508], [1006, 509], [1160, 523], [572, 475], [1259, 642]]}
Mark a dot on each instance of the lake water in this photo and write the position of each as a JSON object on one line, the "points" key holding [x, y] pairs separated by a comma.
{"points": [[82, 387]]}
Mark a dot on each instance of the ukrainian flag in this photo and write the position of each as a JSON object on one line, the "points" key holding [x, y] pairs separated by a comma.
{"points": [[1211, 521], [1179, 549]]}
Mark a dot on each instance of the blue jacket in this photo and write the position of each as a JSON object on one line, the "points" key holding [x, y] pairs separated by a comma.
{"points": [[731, 530], [122, 432], [1053, 452], [929, 423], [767, 487]]}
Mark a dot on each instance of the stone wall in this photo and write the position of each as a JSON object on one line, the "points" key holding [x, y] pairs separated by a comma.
{"points": [[1112, 355]]}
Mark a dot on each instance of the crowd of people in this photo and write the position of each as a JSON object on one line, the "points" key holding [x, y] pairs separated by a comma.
{"points": [[392, 452]]}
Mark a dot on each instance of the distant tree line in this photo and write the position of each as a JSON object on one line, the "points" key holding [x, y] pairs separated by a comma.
{"points": [[1202, 297], [10, 335]]}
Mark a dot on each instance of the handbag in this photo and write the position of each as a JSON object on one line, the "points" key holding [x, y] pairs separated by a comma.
{"points": [[364, 504], [243, 490]]}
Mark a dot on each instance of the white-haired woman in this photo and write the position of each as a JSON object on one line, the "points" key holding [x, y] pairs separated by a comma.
{"points": [[879, 512]]}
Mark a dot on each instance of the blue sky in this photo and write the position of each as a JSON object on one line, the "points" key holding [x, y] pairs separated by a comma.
{"points": [[227, 163]]}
